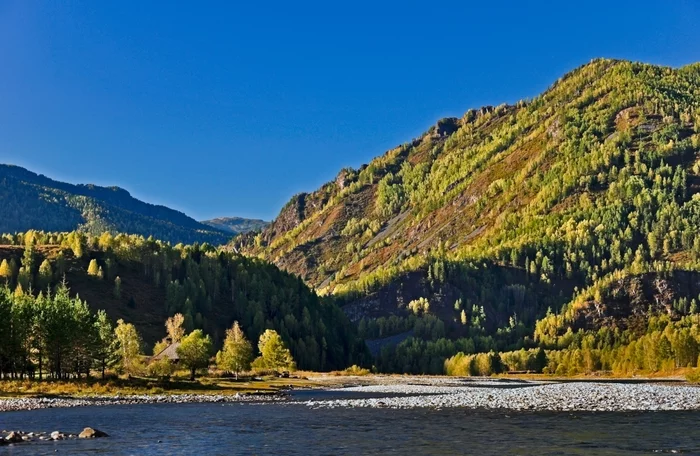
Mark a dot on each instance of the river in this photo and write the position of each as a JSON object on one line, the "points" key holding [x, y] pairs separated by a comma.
{"points": [[295, 429]]}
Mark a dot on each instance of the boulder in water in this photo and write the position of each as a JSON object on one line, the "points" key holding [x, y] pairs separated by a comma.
{"points": [[14, 437], [90, 433]]}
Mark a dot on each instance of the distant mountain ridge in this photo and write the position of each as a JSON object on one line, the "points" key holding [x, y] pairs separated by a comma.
{"points": [[33, 201], [236, 225]]}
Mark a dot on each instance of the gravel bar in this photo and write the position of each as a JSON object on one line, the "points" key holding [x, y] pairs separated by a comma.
{"points": [[34, 403], [569, 396]]}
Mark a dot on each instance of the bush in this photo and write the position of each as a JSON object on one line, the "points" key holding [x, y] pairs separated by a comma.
{"points": [[693, 375], [353, 370], [163, 368]]}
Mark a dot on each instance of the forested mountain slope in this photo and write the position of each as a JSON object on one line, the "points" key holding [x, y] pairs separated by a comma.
{"points": [[32, 201], [584, 197], [144, 281]]}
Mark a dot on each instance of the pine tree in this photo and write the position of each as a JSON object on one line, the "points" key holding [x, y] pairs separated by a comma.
{"points": [[28, 258], [24, 278], [104, 344]]}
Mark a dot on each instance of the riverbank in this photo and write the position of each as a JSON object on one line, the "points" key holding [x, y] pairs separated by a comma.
{"points": [[385, 391], [263, 384], [33, 394], [36, 403], [522, 395]]}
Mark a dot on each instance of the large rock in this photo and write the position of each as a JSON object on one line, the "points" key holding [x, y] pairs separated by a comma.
{"points": [[13, 437], [90, 433]]}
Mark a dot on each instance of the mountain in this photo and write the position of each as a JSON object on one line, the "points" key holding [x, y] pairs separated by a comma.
{"points": [[583, 200], [236, 225], [32, 201]]}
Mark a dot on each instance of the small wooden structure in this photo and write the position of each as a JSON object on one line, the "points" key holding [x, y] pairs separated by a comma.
{"points": [[168, 352]]}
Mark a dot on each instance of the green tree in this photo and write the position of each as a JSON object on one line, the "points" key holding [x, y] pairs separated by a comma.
{"points": [[28, 259], [540, 360], [194, 351], [24, 278], [104, 344], [160, 346], [163, 368], [128, 347], [237, 353], [273, 352]]}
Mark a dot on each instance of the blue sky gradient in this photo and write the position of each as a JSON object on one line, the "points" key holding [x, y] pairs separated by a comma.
{"points": [[225, 108]]}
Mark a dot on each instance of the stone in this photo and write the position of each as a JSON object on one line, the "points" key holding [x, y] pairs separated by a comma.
{"points": [[13, 437], [55, 435], [90, 433]]}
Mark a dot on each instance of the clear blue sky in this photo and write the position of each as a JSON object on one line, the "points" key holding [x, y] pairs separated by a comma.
{"points": [[229, 108]]}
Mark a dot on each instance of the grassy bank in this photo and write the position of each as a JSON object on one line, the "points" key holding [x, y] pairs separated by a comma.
{"points": [[145, 385]]}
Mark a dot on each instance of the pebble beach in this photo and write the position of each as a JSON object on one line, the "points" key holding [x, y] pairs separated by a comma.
{"points": [[535, 396], [35, 403]]}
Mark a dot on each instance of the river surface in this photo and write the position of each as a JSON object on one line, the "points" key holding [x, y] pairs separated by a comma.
{"points": [[295, 429]]}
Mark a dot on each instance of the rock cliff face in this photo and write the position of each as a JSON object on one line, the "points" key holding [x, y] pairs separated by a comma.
{"points": [[291, 215]]}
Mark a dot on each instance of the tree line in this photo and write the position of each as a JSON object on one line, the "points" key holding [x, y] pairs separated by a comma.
{"points": [[199, 281], [54, 336]]}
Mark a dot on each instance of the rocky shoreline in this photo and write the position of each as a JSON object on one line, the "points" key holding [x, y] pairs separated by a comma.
{"points": [[522, 396], [430, 392], [35, 403], [14, 437]]}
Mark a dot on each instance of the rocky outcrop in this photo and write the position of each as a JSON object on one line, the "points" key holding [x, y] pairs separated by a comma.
{"points": [[291, 215], [345, 177], [446, 126]]}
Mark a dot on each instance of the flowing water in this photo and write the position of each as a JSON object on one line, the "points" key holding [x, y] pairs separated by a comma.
{"points": [[295, 429]]}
